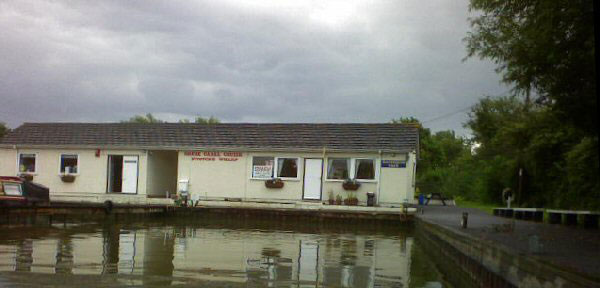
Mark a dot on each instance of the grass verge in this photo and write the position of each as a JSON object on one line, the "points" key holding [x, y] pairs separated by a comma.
{"points": [[488, 208]]}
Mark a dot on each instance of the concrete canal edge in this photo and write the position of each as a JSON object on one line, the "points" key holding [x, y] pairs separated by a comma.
{"points": [[77, 212], [468, 261]]}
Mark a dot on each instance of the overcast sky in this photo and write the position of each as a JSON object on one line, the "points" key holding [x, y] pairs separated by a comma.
{"points": [[241, 61]]}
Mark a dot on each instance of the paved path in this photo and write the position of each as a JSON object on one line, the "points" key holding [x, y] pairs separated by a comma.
{"points": [[571, 248]]}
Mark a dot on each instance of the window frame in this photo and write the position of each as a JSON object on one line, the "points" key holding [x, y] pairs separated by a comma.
{"points": [[338, 158], [276, 167], [35, 167], [354, 166], [60, 163], [352, 169], [252, 167]]}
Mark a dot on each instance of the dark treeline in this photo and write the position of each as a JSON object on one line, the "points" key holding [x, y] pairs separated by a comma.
{"points": [[546, 129], [149, 118], [3, 129]]}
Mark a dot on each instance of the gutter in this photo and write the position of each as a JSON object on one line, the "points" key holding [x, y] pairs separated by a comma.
{"points": [[193, 148]]}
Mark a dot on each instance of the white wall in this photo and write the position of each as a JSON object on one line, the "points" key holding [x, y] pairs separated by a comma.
{"points": [[397, 184], [216, 179], [212, 179], [8, 162], [162, 172], [90, 179]]}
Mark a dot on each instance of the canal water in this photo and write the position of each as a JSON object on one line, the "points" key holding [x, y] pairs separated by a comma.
{"points": [[215, 251]]}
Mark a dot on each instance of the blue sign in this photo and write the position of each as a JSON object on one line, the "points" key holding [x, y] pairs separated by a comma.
{"points": [[393, 164]]}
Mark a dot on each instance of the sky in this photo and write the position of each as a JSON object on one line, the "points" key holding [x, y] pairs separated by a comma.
{"points": [[240, 61]]}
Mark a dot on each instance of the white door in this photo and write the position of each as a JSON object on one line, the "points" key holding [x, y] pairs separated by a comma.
{"points": [[313, 171], [130, 174]]}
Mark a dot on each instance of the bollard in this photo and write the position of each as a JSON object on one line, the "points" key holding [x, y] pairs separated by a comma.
{"points": [[465, 218]]}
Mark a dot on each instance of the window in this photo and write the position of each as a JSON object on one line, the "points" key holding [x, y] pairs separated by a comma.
{"points": [[345, 168], [365, 169], [338, 168], [69, 163], [12, 189], [262, 167], [27, 163], [287, 167], [266, 167]]}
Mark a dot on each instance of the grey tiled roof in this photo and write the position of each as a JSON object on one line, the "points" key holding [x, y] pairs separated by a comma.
{"points": [[347, 137]]}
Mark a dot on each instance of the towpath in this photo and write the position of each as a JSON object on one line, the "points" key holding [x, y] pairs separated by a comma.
{"points": [[571, 248]]}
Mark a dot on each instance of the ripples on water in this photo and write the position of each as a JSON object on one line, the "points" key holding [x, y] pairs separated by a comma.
{"points": [[213, 251]]}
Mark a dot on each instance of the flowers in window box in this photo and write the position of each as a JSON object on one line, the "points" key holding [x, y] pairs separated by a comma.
{"points": [[331, 198], [274, 183], [67, 178], [338, 199], [351, 184], [352, 200]]}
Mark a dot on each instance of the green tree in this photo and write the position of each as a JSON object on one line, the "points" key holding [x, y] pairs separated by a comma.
{"points": [[144, 119], [559, 164], [149, 118], [210, 120], [437, 154], [202, 120], [3, 129], [546, 49]]}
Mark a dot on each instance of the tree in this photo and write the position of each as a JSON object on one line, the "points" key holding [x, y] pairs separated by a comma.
{"points": [[211, 120], [202, 120], [148, 118], [559, 163], [437, 154], [543, 48], [3, 130], [546, 51]]}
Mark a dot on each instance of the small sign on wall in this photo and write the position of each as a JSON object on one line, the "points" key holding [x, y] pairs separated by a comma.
{"points": [[393, 164], [262, 171]]}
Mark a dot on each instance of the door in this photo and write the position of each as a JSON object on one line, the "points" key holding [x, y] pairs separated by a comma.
{"points": [[313, 171], [130, 174]]}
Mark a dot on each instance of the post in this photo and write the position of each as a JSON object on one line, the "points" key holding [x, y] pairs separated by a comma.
{"points": [[465, 218], [520, 185]]}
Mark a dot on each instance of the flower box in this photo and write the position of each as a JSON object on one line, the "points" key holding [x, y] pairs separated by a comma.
{"points": [[351, 185], [274, 183], [67, 178]]}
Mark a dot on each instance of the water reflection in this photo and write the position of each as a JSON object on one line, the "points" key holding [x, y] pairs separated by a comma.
{"points": [[215, 251]]}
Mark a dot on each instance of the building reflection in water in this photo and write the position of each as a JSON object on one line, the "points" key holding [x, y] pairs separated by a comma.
{"points": [[64, 256], [110, 249], [24, 255], [262, 258]]}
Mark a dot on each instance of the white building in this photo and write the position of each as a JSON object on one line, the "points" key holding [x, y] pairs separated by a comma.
{"points": [[138, 163]]}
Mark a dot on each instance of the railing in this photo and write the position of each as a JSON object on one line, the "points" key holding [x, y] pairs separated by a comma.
{"points": [[566, 217]]}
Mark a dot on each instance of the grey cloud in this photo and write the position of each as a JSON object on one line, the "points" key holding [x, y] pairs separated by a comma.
{"points": [[108, 60]]}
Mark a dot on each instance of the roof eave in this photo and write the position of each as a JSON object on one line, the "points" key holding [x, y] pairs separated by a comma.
{"points": [[216, 148]]}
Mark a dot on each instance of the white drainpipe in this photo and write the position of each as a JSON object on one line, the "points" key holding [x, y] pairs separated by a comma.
{"points": [[379, 177]]}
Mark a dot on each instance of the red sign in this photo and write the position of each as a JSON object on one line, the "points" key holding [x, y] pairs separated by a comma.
{"points": [[213, 155]]}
